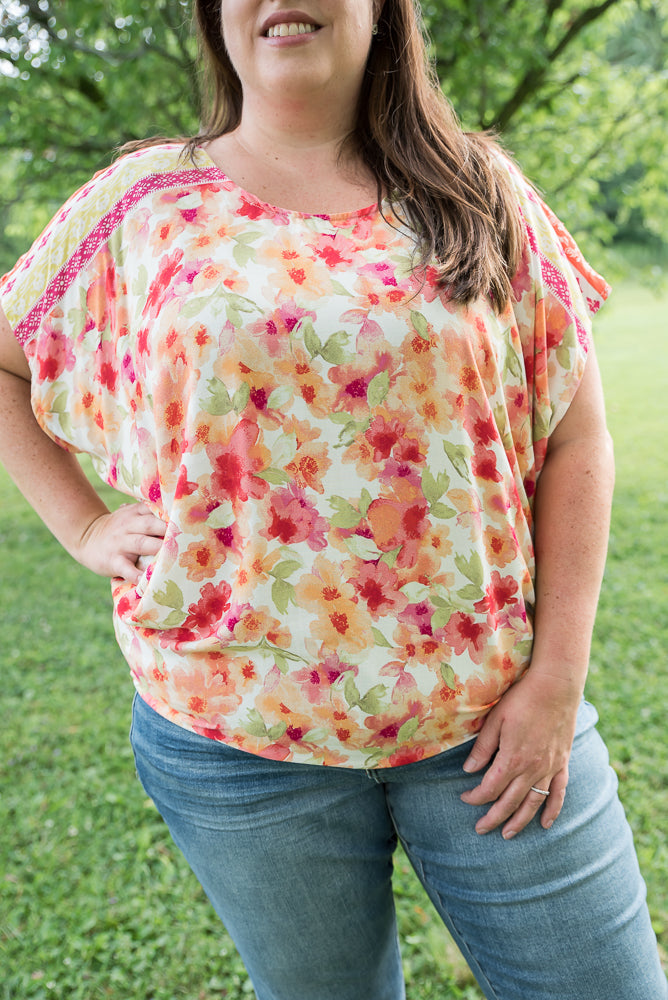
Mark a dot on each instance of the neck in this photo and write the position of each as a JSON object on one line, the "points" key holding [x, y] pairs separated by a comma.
{"points": [[286, 130]]}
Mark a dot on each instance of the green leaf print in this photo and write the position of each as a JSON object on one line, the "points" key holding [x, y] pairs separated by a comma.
{"points": [[433, 487], [459, 455], [420, 324], [441, 617], [374, 700], [283, 594], [408, 730], [380, 639], [220, 403], [170, 597], [365, 502], [362, 547], [221, 516], [513, 364], [285, 569], [312, 341], [333, 350], [389, 558], [414, 591], [241, 397], [284, 449], [337, 287], [243, 254], [140, 282], [442, 511], [351, 691], [471, 568], [255, 724], [281, 662], [277, 477], [277, 731], [346, 516], [471, 592], [378, 388], [449, 676], [279, 397]]}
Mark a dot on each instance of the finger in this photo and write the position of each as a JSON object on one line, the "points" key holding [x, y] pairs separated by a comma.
{"points": [[124, 569], [485, 746], [555, 802], [506, 806], [533, 802]]}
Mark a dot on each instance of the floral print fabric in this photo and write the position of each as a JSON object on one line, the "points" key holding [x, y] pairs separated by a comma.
{"points": [[345, 461]]}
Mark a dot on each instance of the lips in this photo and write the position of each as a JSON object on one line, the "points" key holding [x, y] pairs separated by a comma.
{"points": [[290, 17]]}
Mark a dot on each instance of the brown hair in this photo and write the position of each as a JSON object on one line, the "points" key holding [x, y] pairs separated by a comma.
{"points": [[447, 185]]}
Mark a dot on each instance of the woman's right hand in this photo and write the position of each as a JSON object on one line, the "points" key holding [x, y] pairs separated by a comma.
{"points": [[112, 544]]}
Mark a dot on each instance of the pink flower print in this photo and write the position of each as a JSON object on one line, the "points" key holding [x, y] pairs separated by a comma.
{"points": [[293, 518], [353, 381], [378, 586], [483, 465], [314, 683], [500, 592], [382, 435], [466, 635], [170, 266], [334, 249], [274, 329], [418, 617], [233, 465], [205, 615], [54, 356]]}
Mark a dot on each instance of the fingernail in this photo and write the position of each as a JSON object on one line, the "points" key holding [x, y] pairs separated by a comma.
{"points": [[469, 764], [548, 824], [509, 835]]}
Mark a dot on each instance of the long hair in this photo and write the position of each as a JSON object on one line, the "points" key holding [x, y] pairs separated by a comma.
{"points": [[447, 185]]}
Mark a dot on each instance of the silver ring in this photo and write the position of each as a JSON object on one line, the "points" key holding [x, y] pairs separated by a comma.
{"points": [[541, 791]]}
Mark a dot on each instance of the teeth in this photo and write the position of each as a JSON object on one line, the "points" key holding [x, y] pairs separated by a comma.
{"points": [[283, 30]]}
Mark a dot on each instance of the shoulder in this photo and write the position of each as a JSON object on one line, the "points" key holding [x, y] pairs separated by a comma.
{"points": [[85, 224]]}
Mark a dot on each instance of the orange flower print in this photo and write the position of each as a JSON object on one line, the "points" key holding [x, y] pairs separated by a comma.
{"points": [[324, 587], [500, 548], [201, 560], [202, 692], [397, 525], [296, 370]]}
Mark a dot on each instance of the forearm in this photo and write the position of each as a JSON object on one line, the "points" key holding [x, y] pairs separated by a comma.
{"points": [[572, 519], [50, 478]]}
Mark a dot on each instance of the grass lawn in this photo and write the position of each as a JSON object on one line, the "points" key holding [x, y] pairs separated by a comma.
{"points": [[94, 900]]}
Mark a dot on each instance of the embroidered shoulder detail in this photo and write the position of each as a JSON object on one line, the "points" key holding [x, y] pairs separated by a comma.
{"points": [[84, 224]]}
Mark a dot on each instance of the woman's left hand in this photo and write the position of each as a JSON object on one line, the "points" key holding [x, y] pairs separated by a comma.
{"points": [[530, 730]]}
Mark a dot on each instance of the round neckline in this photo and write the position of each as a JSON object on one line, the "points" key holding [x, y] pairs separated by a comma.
{"points": [[269, 209]]}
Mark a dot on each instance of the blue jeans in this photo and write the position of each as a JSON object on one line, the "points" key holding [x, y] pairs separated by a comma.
{"points": [[297, 861]]}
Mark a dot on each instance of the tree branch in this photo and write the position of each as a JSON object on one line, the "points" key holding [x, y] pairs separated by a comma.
{"points": [[535, 75]]}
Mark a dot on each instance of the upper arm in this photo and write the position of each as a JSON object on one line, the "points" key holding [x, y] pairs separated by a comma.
{"points": [[585, 416], [12, 358]]}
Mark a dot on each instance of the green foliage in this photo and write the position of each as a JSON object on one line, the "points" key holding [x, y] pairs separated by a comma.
{"points": [[95, 901]]}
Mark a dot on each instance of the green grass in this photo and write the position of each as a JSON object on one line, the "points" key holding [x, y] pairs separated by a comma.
{"points": [[94, 900]]}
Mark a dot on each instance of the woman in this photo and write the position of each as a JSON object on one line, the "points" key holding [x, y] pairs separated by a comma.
{"points": [[338, 353]]}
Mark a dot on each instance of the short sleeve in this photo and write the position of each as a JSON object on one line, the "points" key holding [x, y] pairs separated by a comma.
{"points": [[556, 295]]}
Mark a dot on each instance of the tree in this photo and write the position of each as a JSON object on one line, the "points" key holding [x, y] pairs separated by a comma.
{"points": [[576, 88]]}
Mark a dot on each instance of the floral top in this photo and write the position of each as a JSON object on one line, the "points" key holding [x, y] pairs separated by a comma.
{"points": [[344, 459]]}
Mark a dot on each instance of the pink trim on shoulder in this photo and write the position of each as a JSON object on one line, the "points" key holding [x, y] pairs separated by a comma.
{"points": [[101, 232]]}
